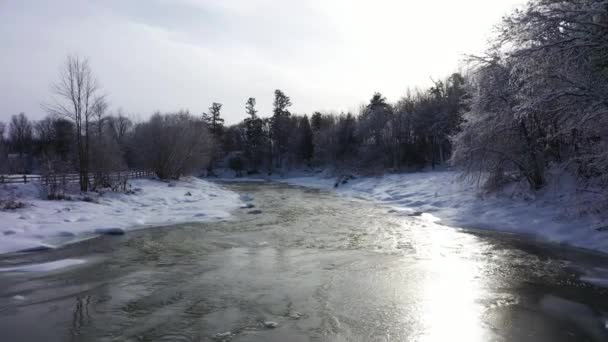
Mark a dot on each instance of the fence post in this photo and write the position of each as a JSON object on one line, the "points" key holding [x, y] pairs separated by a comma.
{"points": [[24, 179]]}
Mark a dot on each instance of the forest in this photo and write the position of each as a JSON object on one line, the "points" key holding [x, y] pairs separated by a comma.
{"points": [[533, 107]]}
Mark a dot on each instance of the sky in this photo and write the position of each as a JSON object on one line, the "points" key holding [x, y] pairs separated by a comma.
{"points": [[167, 55]]}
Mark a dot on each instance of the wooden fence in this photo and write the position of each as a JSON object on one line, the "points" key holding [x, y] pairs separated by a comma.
{"points": [[70, 177]]}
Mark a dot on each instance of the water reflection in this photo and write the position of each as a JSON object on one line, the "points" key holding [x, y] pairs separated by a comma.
{"points": [[451, 292], [80, 315]]}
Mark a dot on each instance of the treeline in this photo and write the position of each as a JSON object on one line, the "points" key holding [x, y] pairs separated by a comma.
{"points": [[534, 105], [81, 135], [412, 133], [171, 145]]}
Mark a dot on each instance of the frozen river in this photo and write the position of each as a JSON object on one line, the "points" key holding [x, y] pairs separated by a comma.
{"points": [[304, 265]]}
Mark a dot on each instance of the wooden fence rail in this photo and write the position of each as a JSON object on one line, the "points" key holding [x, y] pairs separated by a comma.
{"points": [[70, 177]]}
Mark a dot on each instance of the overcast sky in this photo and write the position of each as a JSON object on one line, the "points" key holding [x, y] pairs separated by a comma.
{"points": [[328, 55]]}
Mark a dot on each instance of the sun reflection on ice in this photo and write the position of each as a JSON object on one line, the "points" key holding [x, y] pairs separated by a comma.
{"points": [[450, 309]]}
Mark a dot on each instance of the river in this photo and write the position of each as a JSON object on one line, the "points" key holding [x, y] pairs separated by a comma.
{"points": [[306, 265]]}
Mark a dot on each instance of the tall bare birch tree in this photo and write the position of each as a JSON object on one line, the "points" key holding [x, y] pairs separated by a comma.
{"points": [[75, 95]]}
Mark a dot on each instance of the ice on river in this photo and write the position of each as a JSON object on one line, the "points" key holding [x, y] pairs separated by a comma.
{"points": [[44, 267], [46, 224], [551, 215]]}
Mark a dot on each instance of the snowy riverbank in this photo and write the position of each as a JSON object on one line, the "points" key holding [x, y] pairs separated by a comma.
{"points": [[44, 223], [552, 215]]}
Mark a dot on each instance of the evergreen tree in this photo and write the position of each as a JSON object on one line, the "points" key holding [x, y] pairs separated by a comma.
{"points": [[375, 118], [254, 134], [316, 119], [306, 146], [279, 126], [250, 108], [216, 126], [214, 120], [347, 141]]}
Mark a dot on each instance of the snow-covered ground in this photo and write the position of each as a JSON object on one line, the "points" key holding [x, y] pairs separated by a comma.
{"points": [[45, 223], [551, 216]]}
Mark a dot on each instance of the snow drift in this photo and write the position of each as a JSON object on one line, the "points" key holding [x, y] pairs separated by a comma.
{"points": [[47, 224]]}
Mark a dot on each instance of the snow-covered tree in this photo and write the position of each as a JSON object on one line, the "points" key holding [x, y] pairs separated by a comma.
{"points": [[540, 99]]}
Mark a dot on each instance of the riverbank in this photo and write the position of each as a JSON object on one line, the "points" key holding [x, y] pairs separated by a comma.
{"points": [[553, 215], [43, 224]]}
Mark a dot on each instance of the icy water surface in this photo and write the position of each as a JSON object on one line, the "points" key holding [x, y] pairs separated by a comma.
{"points": [[310, 267]]}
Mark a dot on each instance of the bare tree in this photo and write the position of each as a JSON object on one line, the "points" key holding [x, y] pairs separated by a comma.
{"points": [[76, 94], [20, 133], [106, 155], [173, 145], [99, 113], [119, 126]]}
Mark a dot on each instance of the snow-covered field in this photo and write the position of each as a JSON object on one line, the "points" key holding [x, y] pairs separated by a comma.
{"points": [[45, 223], [551, 216]]}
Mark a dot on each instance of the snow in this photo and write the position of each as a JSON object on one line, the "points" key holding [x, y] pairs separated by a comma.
{"points": [[430, 196], [440, 196], [597, 276], [45, 267], [47, 224], [601, 282]]}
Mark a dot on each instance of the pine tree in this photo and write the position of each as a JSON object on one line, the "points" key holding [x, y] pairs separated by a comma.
{"points": [[254, 134], [214, 120], [376, 117], [316, 119], [216, 126], [280, 122], [250, 108]]}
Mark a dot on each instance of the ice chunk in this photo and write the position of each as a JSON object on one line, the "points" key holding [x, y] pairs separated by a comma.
{"points": [[246, 198], [598, 281], [270, 324], [44, 267], [224, 336]]}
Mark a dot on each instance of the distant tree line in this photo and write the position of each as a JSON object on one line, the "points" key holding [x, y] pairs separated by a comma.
{"points": [[412, 133], [81, 135], [534, 105]]}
